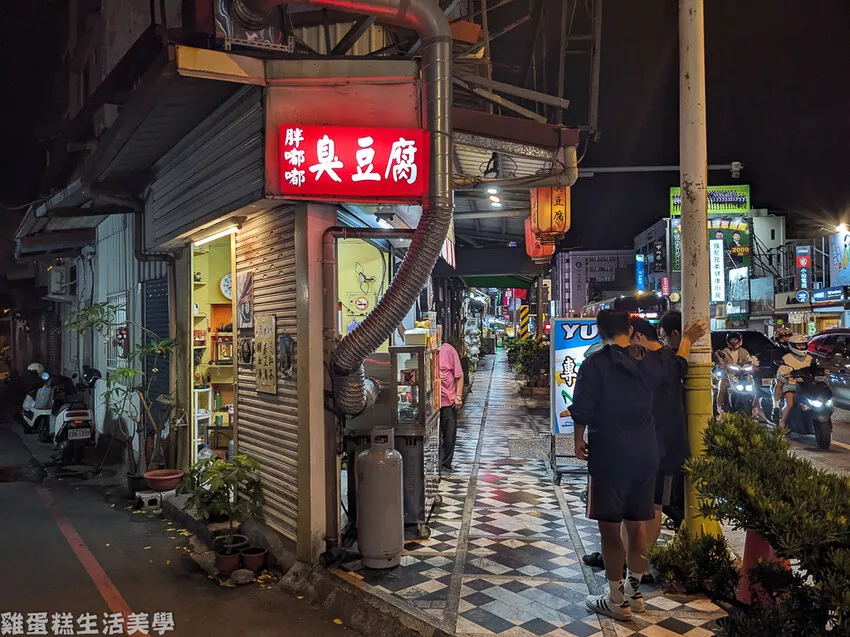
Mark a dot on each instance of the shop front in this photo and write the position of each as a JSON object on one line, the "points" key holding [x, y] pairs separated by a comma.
{"points": [[829, 310]]}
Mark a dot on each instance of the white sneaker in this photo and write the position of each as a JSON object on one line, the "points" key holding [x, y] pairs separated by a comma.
{"points": [[633, 595], [603, 605]]}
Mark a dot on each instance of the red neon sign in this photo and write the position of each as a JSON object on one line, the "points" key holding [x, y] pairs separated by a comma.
{"points": [[665, 286], [361, 163]]}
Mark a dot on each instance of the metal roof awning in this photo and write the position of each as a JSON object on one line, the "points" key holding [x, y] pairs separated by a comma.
{"points": [[163, 108]]}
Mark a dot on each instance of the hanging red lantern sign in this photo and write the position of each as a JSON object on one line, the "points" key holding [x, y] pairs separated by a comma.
{"points": [[550, 213], [538, 251]]}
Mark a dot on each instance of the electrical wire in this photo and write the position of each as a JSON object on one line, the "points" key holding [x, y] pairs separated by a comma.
{"points": [[23, 205]]}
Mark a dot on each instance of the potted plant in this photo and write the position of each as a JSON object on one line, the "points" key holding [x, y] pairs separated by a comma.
{"points": [[226, 490], [129, 394]]}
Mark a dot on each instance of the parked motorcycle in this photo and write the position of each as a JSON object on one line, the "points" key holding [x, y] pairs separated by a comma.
{"points": [[37, 405], [73, 427], [811, 413], [741, 387]]}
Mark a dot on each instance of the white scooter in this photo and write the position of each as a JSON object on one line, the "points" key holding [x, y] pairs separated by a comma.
{"points": [[73, 429]]}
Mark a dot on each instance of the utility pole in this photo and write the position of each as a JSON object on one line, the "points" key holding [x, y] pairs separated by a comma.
{"points": [[693, 158]]}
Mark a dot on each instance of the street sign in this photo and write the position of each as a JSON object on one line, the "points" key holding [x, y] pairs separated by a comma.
{"points": [[802, 296]]}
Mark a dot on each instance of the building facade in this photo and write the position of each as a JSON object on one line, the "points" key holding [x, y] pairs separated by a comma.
{"points": [[574, 271]]}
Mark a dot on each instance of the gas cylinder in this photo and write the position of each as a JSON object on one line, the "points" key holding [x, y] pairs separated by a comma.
{"points": [[380, 505]]}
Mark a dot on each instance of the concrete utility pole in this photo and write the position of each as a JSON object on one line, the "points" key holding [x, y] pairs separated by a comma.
{"points": [[693, 158]]}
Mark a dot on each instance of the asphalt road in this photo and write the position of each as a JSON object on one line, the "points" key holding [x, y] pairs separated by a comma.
{"points": [[837, 458], [69, 547]]}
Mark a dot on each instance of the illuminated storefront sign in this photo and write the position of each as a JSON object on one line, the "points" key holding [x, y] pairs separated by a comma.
{"points": [[357, 163], [640, 272], [803, 256], [717, 271], [570, 341]]}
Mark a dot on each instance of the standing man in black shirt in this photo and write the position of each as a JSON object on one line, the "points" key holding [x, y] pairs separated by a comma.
{"points": [[671, 425], [613, 400]]}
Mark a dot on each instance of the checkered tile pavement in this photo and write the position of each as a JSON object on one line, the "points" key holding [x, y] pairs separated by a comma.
{"points": [[518, 547]]}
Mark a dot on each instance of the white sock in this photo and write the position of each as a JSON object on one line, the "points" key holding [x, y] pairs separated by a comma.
{"points": [[635, 577], [615, 591]]}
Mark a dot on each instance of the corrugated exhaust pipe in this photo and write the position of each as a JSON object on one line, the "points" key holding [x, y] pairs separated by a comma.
{"points": [[353, 393]]}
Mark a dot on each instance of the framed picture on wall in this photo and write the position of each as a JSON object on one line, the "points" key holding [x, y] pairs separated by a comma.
{"points": [[245, 303]]}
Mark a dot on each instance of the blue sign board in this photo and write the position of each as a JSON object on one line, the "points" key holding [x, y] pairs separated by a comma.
{"points": [[802, 296], [828, 295], [640, 272], [570, 341]]}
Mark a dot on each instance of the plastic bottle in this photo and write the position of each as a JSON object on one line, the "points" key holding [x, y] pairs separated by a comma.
{"points": [[205, 453], [230, 449], [217, 400]]}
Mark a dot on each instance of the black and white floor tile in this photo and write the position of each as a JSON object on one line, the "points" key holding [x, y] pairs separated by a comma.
{"points": [[522, 571]]}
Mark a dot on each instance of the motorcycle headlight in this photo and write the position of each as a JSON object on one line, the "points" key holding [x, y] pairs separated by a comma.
{"points": [[814, 402], [748, 368], [749, 388], [829, 403], [739, 387]]}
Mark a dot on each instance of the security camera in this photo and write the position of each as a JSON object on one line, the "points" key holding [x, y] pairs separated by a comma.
{"points": [[736, 169]]}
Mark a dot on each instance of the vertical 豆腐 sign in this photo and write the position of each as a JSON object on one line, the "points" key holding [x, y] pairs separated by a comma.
{"points": [[265, 353]]}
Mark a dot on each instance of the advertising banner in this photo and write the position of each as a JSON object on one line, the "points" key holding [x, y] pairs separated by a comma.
{"points": [[571, 340], [839, 258], [762, 297], [722, 200], [640, 272], [803, 267], [734, 232], [716, 270]]}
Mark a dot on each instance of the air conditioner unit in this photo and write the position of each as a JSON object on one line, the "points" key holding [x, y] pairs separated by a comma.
{"points": [[57, 279]]}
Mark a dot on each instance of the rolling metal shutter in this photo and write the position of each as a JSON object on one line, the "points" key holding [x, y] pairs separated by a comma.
{"points": [[155, 308], [53, 342], [216, 169], [267, 425]]}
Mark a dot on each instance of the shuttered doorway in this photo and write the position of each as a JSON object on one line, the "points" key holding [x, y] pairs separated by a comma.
{"points": [[155, 306], [267, 425]]}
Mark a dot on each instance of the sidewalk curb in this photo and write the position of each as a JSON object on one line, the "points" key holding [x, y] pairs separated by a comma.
{"points": [[339, 596]]}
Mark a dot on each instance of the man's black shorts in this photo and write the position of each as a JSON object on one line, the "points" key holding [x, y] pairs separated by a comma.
{"points": [[666, 485], [612, 499]]}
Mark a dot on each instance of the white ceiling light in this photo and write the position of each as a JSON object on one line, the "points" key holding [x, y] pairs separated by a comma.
{"points": [[496, 204], [384, 223], [217, 235], [492, 191]]}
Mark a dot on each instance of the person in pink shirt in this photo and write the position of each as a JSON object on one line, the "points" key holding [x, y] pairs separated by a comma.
{"points": [[451, 399]]}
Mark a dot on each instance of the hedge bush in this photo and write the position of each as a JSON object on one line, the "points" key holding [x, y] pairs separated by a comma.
{"points": [[749, 478]]}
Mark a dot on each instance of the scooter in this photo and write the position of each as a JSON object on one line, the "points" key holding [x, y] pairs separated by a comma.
{"points": [[811, 413], [73, 428], [37, 407], [739, 394]]}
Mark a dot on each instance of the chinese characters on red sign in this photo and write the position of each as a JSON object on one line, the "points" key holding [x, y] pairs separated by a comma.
{"points": [[363, 163]]}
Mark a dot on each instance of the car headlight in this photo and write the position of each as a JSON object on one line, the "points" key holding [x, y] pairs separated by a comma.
{"points": [[814, 402], [749, 388], [739, 387]]}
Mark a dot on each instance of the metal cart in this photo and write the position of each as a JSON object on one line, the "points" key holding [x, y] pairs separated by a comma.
{"points": [[415, 409]]}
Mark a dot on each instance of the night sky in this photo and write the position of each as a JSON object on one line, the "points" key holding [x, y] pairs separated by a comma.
{"points": [[778, 101]]}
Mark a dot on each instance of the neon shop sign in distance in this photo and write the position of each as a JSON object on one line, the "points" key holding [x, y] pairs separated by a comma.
{"points": [[341, 162]]}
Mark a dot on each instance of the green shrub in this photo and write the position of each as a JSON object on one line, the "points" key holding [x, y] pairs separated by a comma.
{"points": [[749, 478], [697, 564]]}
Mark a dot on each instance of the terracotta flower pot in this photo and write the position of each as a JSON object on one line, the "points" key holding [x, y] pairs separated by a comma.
{"points": [[163, 479], [226, 561], [755, 548], [254, 558]]}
